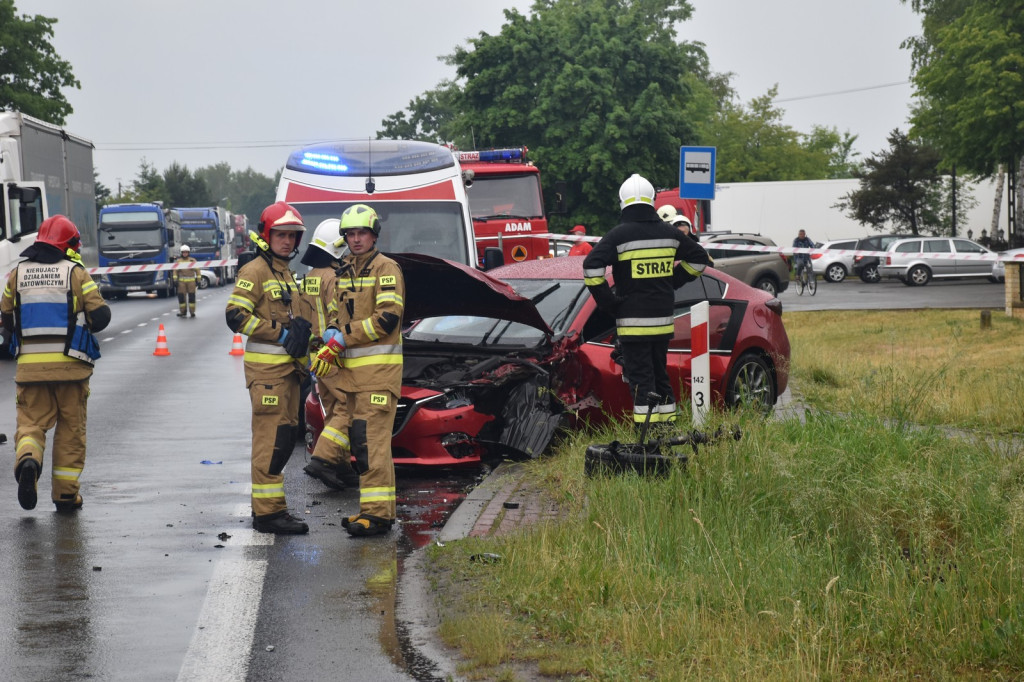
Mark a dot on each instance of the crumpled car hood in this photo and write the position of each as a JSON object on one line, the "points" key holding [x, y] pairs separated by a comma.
{"points": [[435, 287]]}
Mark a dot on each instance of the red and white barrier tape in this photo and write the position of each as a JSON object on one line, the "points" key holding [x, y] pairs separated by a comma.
{"points": [[153, 267]]}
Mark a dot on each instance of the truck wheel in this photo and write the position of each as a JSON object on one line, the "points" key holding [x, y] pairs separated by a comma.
{"points": [[162, 293]]}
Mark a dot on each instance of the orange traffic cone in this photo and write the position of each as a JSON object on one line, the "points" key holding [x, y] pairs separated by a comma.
{"points": [[161, 343], [236, 346]]}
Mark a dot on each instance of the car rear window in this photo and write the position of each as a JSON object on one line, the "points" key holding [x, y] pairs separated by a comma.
{"points": [[908, 247], [843, 245]]}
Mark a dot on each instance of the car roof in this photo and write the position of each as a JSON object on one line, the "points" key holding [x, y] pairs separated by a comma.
{"points": [[760, 239]]}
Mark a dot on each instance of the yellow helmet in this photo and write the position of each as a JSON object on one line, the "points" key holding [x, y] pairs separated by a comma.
{"points": [[360, 216]]}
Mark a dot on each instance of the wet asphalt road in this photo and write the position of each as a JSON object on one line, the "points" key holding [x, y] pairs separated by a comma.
{"points": [[160, 576]]}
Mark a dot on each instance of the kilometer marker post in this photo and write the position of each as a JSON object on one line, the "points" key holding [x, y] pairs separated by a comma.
{"points": [[700, 363]]}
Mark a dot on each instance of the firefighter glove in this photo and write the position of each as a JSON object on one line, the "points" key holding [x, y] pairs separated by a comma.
{"points": [[332, 333], [295, 339], [328, 356]]}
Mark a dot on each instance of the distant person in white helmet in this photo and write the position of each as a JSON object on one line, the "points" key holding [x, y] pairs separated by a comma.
{"points": [[673, 217], [649, 261], [185, 279]]}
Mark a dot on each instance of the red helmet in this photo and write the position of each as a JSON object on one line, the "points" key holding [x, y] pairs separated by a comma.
{"points": [[280, 216], [60, 232]]}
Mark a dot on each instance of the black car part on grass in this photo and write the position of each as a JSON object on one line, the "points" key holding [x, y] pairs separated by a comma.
{"points": [[648, 458]]}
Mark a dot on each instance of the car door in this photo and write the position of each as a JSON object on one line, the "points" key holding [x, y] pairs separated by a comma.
{"points": [[937, 254], [972, 265]]}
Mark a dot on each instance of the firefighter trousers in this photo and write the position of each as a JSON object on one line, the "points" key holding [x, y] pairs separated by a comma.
{"points": [[371, 415], [44, 406], [186, 294], [275, 414], [333, 445], [645, 364]]}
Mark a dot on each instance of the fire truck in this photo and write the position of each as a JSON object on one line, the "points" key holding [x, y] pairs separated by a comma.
{"points": [[506, 203]]}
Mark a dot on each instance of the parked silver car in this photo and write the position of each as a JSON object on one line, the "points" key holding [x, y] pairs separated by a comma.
{"points": [[834, 267], [766, 271], [999, 268], [916, 261]]}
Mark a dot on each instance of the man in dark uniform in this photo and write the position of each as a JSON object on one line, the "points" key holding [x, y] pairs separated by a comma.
{"points": [[643, 252]]}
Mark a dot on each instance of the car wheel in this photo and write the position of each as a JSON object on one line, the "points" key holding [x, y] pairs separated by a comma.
{"points": [[620, 458], [767, 284], [835, 273], [918, 276], [870, 274], [751, 384], [204, 282]]}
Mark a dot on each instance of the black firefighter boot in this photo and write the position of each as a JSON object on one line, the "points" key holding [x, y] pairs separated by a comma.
{"points": [[279, 523], [324, 472], [27, 475]]}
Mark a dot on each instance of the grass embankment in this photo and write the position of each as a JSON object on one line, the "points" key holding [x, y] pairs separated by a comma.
{"points": [[846, 547]]}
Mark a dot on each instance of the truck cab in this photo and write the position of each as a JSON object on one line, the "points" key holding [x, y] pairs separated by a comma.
{"points": [[506, 202], [133, 235]]}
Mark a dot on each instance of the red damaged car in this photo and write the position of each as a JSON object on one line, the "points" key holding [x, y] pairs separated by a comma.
{"points": [[496, 363]]}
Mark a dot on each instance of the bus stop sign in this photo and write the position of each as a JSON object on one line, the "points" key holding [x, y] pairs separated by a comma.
{"points": [[697, 173]]}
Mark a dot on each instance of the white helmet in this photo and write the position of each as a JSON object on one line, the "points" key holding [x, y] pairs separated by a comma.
{"points": [[682, 218], [185, 249], [667, 212], [327, 237], [636, 190]]}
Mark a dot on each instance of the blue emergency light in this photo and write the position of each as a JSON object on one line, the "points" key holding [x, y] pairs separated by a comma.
{"points": [[359, 158], [509, 154]]}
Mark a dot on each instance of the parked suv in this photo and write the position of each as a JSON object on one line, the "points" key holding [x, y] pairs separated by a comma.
{"points": [[866, 267], [767, 271], [916, 260], [834, 267]]}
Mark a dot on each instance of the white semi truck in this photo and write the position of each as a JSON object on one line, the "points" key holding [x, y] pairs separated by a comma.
{"points": [[44, 171]]}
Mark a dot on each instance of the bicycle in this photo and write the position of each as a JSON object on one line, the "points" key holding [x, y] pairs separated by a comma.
{"points": [[806, 280]]}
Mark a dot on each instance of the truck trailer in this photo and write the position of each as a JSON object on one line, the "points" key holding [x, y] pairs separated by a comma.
{"points": [[137, 234], [417, 189], [44, 171]]}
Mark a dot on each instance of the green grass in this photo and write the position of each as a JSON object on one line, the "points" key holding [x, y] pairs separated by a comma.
{"points": [[846, 547]]}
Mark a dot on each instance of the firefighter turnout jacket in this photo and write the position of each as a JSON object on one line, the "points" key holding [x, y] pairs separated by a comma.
{"points": [[318, 286], [265, 298], [53, 308], [186, 278], [643, 252]]}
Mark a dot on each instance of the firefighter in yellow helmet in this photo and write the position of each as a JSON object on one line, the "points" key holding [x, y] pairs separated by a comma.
{"points": [[266, 306], [186, 278], [364, 340], [330, 461], [49, 311]]}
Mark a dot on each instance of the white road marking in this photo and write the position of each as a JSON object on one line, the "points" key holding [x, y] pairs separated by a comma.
{"points": [[222, 642]]}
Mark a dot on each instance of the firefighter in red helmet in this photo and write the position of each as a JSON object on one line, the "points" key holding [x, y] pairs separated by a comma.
{"points": [[266, 306], [49, 311]]}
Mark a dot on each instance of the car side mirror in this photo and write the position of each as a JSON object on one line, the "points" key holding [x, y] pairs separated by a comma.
{"points": [[493, 258]]}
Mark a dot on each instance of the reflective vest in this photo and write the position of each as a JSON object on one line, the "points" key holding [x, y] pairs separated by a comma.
{"points": [[46, 308]]}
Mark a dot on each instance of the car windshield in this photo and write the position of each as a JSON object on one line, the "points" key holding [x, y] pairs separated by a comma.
{"points": [[556, 300]]}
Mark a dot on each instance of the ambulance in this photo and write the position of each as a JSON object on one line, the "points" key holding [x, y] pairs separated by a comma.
{"points": [[417, 189]]}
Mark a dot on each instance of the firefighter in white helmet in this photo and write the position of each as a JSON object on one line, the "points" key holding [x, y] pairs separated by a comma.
{"points": [[670, 215], [266, 306], [186, 278], [649, 260], [365, 342], [330, 461]]}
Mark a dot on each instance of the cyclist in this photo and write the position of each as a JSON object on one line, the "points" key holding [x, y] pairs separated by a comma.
{"points": [[802, 260]]}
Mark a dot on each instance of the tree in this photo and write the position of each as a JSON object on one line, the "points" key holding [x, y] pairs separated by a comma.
{"points": [[597, 89], [753, 145], [184, 188], [102, 192], [901, 185], [969, 78], [246, 191], [147, 186], [31, 73]]}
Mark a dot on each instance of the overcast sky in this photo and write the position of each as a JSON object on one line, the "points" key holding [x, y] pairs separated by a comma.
{"points": [[247, 81]]}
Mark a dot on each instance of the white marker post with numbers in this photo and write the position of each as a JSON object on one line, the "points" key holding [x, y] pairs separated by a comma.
{"points": [[700, 363]]}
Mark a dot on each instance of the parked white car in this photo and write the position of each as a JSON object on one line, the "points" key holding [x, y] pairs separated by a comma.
{"points": [[208, 278], [999, 268], [834, 267], [915, 261]]}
